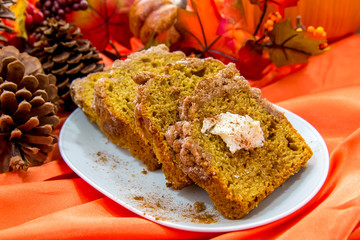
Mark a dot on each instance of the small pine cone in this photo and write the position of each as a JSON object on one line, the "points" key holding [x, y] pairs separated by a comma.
{"points": [[6, 13], [28, 107], [64, 54]]}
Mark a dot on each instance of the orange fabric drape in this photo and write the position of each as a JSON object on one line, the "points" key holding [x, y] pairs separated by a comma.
{"points": [[51, 202]]}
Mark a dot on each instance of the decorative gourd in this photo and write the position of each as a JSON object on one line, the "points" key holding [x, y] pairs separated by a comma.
{"points": [[154, 20]]}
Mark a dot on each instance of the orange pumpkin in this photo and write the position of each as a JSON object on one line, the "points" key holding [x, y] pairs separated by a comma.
{"points": [[154, 19], [338, 18]]}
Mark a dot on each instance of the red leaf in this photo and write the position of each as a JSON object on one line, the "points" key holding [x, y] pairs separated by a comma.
{"points": [[104, 20], [252, 62]]}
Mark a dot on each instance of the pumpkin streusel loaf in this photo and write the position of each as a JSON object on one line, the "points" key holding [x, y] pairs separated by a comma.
{"points": [[114, 100], [234, 144], [157, 104]]}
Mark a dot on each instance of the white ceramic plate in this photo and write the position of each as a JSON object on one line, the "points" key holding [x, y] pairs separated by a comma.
{"points": [[115, 173]]}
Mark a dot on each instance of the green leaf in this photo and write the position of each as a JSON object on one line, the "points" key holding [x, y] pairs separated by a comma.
{"points": [[289, 46]]}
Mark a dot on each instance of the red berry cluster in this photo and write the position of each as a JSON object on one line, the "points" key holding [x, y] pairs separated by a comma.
{"points": [[58, 8], [33, 17]]}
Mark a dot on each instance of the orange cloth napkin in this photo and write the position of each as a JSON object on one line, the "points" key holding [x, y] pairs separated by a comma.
{"points": [[51, 202]]}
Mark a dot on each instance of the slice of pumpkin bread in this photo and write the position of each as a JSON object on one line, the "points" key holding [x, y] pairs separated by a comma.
{"points": [[82, 93], [234, 144], [157, 104], [114, 100]]}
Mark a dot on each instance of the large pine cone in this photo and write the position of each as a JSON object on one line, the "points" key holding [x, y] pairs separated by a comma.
{"points": [[28, 106], [64, 54], [5, 13]]}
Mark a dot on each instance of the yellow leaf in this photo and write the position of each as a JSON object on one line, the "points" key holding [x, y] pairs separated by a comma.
{"points": [[19, 9]]}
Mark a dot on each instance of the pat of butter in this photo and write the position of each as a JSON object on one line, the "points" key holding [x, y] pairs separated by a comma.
{"points": [[238, 132]]}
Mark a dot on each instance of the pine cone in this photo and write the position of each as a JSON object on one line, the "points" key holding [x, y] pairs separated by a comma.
{"points": [[64, 54], [28, 106], [6, 13]]}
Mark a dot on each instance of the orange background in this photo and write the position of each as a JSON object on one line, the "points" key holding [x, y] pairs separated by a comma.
{"points": [[51, 202]]}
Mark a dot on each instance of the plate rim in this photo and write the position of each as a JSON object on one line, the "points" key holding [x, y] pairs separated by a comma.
{"points": [[208, 229]]}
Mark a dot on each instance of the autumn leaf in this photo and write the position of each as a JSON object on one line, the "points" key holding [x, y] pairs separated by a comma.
{"points": [[104, 20], [233, 11], [289, 46], [19, 10], [199, 30], [252, 61], [233, 26], [280, 5], [234, 36], [199, 26]]}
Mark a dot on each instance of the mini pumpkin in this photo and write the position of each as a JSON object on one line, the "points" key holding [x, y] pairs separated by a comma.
{"points": [[154, 20]]}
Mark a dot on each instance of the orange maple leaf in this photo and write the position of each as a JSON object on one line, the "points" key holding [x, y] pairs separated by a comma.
{"points": [[199, 27]]}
